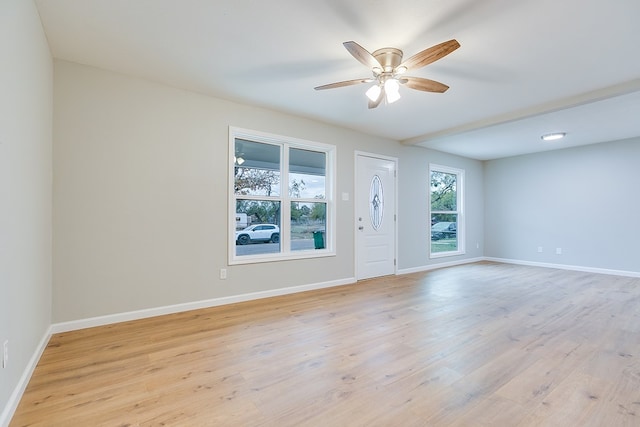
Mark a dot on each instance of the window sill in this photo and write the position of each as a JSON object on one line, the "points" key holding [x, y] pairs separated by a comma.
{"points": [[252, 259], [446, 254]]}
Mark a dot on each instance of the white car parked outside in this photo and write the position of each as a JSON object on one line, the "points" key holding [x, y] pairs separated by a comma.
{"points": [[258, 233]]}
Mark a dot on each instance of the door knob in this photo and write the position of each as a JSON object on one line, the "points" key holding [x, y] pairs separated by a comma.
{"points": [[361, 228]]}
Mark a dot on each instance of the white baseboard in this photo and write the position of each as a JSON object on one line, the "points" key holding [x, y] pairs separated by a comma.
{"points": [[177, 308], [439, 265], [12, 404], [607, 271]]}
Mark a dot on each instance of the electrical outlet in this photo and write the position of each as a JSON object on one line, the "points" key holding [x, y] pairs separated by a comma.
{"points": [[558, 251], [539, 249], [5, 353], [223, 273]]}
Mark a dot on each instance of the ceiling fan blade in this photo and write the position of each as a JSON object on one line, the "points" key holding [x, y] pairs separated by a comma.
{"points": [[430, 55], [374, 104], [362, 54], [342, 84], [424, 84]]}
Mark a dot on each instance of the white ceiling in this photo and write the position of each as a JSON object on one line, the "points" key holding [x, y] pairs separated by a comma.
{"points": [[524, 67]]}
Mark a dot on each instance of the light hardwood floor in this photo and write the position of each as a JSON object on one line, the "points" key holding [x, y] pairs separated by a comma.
{"points": [[475, 345]]}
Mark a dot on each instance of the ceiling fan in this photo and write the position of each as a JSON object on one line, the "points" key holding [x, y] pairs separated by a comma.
{"points": [[388, 71]]}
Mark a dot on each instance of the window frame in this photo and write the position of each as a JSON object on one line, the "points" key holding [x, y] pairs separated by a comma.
{"points": [[460, 211], [285, 200]]}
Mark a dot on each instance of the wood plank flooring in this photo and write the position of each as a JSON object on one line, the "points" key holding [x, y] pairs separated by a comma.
{"points": [[482, 344]]}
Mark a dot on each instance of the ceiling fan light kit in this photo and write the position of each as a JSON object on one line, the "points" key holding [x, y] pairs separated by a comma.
{"points": [[388, 71], [373, 92], [392, 90]]}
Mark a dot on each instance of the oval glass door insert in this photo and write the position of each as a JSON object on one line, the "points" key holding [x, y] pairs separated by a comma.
{"points": [[376, 204]]}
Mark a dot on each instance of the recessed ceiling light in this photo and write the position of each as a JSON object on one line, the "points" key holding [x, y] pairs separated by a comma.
{"points": [[553, 136]]}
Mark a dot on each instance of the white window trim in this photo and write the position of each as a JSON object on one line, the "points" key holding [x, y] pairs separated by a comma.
{"points": [[460, 184], [285, 236]]}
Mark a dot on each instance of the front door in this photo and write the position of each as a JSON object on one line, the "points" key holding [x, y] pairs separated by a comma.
{"points": [[375, 216]]}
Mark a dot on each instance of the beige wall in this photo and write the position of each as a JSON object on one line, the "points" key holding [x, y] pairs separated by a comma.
{"points": [[140, 208], [25, 191], [141, 195]]}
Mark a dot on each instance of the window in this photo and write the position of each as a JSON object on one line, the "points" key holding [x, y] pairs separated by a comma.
{"points": [[446, 211], [281, 201]]}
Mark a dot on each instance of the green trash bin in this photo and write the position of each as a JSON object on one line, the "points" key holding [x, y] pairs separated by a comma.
{"points": [[318, 239]]}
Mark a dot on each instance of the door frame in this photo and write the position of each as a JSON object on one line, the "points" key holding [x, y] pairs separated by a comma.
{"points": [[357, 193]]}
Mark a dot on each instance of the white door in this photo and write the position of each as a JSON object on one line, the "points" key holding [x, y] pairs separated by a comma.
{"points": [[375, 216]]}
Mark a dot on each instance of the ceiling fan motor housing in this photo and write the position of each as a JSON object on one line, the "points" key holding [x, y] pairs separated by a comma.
{"points": [[389, 58]]}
